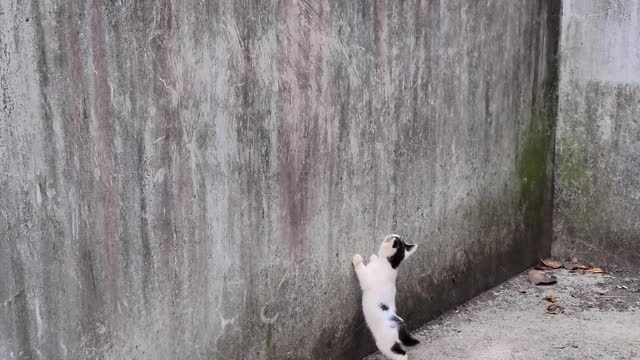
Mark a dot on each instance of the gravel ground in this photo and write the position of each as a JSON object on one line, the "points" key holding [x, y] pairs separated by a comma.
{"points": [[601, 320]]}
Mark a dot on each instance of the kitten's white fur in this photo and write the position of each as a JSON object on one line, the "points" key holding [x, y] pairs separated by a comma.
{"points": [[378, 283]]}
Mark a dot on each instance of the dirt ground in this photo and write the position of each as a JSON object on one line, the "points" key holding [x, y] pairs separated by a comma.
{"points": [[601, 320]]}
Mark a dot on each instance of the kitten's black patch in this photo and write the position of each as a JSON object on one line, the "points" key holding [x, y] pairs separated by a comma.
{"points": [[405, 337], [401, 248], [397, 349], [384, 307], [397, 258]]}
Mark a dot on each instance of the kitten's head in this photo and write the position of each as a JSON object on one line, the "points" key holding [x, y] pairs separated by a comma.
{"points": [[395, 249]]}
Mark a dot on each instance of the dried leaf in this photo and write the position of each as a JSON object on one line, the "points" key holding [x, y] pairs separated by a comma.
{"points": [[595, 270], [550, 298], [555, 309], [552, 263], [541, 266], [570, 266], [574, 260], [539, 277]]}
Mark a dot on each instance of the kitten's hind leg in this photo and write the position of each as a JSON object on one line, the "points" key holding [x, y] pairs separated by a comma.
{"points": [[405, 337], [395, 352], [403, 334]]}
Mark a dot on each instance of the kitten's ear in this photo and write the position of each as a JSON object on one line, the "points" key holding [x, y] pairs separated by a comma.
{"points": [[409, 249]]}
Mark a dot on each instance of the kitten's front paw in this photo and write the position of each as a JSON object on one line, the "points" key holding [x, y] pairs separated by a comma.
{"points": [[357, 260]]}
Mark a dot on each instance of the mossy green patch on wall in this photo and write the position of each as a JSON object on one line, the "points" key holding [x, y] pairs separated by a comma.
{"points": [[571, 170], [532, 165]]}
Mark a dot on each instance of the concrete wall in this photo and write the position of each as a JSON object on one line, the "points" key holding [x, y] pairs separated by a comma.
{"points": [[188, 179], [597, 192]]}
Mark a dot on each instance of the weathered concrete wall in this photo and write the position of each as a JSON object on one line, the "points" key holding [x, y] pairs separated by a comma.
{"points": [[187, 179], [597, 192]]}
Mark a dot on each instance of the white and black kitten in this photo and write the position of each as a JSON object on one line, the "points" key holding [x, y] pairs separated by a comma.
{"points": [[378, 283]]}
